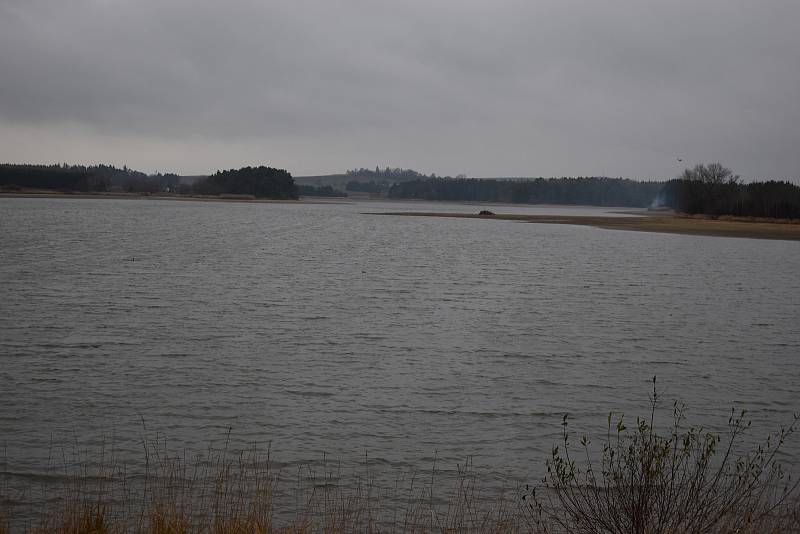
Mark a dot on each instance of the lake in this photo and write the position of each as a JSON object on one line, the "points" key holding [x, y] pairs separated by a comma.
{"points": [[331, 332]]}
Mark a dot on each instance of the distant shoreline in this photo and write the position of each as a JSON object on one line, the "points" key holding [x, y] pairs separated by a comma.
{"points": [[352, 199], [167, 196], [658, 223]]}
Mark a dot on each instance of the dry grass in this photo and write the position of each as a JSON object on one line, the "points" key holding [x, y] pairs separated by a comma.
{"points": [[225, 493]]}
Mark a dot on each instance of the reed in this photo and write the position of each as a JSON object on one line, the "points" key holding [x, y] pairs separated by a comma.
{"points": [[233, 492]]}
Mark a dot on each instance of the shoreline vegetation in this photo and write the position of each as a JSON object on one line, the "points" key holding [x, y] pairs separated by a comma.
{"points": [[646, 479], [654, 221]]}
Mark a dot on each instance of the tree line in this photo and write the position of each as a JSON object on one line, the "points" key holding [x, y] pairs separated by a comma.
{"points": [[714, 190], [58, 177], [256, 181], [84, 178], [319, 191], [368, 187], [387, 174], [709, 189], [596, 191]]}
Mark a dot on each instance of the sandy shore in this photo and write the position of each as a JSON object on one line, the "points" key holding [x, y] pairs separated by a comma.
{"points": [[651, 223]]}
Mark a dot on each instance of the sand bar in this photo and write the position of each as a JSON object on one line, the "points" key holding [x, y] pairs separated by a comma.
{"points": [[648, 223]]}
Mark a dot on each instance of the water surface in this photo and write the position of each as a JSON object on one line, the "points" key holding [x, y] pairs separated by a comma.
{"points": [[322, 329]]}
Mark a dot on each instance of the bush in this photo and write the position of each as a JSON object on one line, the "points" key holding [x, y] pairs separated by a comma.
{"points": [[687, 480]]}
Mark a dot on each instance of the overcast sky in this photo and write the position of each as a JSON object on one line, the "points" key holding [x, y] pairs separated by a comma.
{"points": [[489, 88]]}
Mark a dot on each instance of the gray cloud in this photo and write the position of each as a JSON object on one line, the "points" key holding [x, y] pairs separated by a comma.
{"points": [[507, 87]]}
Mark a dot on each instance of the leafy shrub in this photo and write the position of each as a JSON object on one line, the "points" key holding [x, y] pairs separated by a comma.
{"points": [[686, 480]]}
